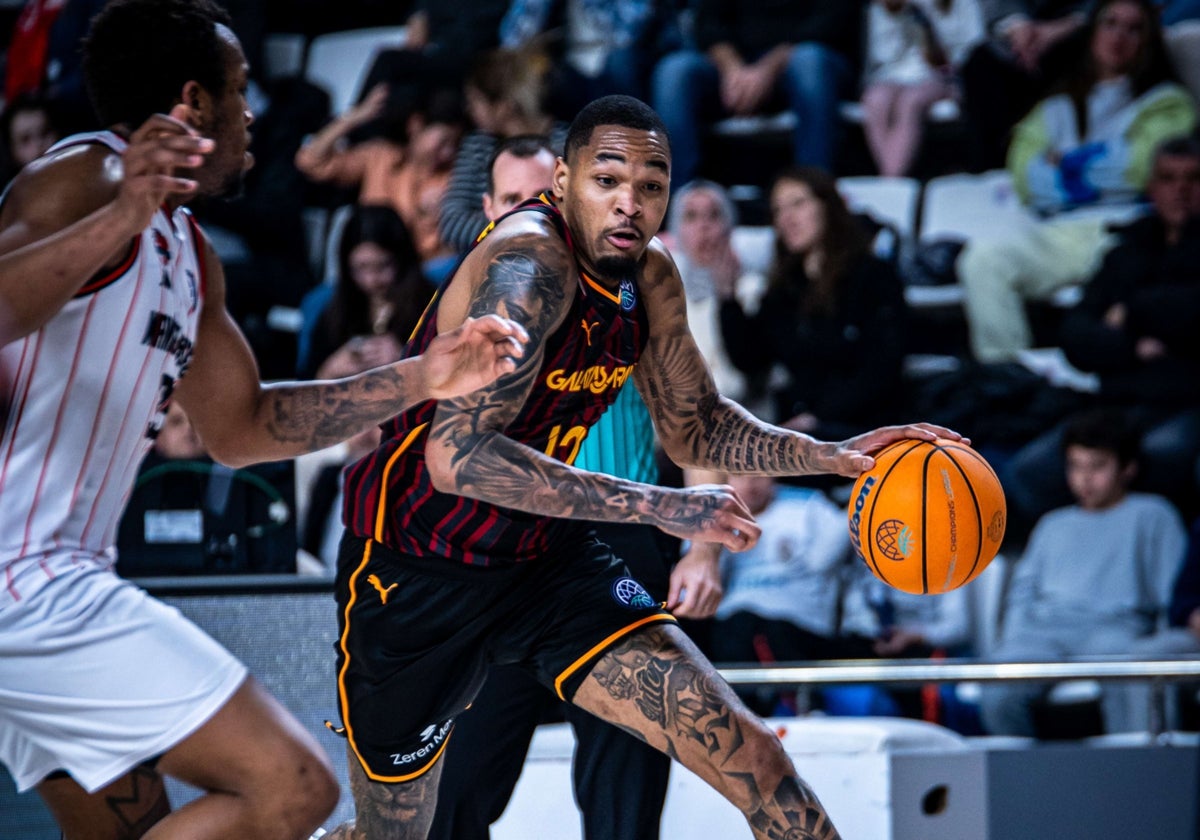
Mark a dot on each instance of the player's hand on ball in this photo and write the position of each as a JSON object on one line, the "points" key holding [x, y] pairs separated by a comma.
{"points": [[707, 513], [853, 457], [475, 354]]}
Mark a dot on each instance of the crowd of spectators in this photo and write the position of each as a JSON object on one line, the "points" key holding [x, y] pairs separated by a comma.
{"points": [[1078, 101]]}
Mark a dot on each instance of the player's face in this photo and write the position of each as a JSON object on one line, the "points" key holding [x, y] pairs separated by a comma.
{"points": [[798, 216], [1119, 38], [1174, 188], [516, 179], [229, 125], [1096, 477], [614, 195]]}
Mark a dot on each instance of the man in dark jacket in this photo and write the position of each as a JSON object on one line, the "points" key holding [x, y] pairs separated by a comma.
{"points": [[1138, 329]]}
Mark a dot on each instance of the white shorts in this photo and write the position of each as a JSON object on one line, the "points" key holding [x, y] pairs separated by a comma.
{"points": [[97, 677]]}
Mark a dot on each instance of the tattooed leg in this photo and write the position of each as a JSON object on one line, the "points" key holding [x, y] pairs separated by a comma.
{"points": [[658, 686], [389, 812], [124, 810]]}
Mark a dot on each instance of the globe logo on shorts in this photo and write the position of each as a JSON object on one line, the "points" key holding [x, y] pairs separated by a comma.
{"points": [[632, 594], [894, 539]]}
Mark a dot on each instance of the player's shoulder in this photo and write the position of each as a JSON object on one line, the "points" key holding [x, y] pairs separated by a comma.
{"points": [[659, 272], [65, 185], [529, 235]]}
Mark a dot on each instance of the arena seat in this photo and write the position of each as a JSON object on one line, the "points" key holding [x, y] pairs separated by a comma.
{"points": [[890, 200], [339, 61]]}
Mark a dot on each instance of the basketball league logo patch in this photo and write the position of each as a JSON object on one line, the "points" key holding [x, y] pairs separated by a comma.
{"points": [[628, 592], [628, 295]]}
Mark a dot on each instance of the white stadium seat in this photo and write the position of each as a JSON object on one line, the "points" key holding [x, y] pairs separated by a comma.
{"points": [[339, 61]]}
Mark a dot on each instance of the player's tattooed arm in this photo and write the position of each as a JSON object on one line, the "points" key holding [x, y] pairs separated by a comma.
{"points": [[531, 280], [697, 426]]}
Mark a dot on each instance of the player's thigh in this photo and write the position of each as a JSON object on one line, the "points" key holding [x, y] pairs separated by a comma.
{"points": [[122, 810], [253, 747], [656, 684]]}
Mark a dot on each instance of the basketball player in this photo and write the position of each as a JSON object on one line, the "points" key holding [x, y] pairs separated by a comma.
{"points": [[111, 306], [465, 546], [484, 760]]}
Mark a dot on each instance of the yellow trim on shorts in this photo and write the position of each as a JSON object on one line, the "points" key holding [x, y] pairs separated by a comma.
{"points": [[345, 700], [597, 649], [383, 482]]}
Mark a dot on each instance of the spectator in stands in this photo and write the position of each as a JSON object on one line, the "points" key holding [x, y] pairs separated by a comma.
{"points": [[833, 316], [28, 127], [782, 596], [377, 299], [1131, 703], [755, 58], [1137, 329], [598, 47], [1032, 44], [1095, 575], [505, 95], [1080, 161], [914, 49], [700, 235], [407, 168]]}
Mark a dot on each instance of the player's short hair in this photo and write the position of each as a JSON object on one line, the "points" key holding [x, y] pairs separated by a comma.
{"points": [[139, 54], [1105, 429], [620, 110], [522, 146]]}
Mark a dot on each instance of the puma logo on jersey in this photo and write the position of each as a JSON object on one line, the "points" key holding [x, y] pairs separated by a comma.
{"points": [[587, 329], [378, 584]]}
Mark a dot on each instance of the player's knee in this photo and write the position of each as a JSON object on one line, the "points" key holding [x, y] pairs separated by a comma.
{"points": [[302, 795], [762, 742]]}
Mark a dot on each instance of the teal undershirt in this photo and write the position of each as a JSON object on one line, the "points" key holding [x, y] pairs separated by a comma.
{"points": [[622, 441]]}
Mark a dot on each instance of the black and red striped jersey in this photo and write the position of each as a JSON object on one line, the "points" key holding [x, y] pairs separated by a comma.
{"points": [[389, 496]]}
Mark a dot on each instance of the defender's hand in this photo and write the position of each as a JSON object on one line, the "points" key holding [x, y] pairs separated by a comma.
{"points": [[157, 151], [472, 356]]}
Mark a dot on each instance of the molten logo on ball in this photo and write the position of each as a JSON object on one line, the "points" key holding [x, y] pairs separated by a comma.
{"points": [[894, 539]]}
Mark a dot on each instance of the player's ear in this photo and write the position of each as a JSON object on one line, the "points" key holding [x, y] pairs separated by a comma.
{"points": [[559, 181], [196, 102]]}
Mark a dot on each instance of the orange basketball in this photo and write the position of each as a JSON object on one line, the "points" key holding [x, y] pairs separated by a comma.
{"points": [[929, 516]]}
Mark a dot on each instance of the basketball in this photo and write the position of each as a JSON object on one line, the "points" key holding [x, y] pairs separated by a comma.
{"points": [[929, 516]]}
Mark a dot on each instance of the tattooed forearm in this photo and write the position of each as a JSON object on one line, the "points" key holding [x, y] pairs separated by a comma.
{"points": [[303, 417], [702, 429]]}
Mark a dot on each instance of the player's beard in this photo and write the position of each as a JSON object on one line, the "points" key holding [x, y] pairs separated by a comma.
{"points": [[617, 268]]}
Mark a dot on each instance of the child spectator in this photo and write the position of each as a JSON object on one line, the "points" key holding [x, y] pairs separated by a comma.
{"points": [[1095, 576]]}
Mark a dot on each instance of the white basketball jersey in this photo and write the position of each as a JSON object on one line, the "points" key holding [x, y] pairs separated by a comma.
{"points": [[82, 398]]}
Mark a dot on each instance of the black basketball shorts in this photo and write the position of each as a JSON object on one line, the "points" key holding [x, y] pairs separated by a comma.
{"points": [[417, 636]]}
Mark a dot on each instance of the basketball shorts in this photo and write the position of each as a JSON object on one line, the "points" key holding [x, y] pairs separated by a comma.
{"points": [[97, 677], [418, 635]]}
